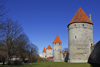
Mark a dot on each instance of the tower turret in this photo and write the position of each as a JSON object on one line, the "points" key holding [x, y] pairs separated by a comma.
{"points": [[57, 49], [80, 37], [44, 53], [49, 51]]}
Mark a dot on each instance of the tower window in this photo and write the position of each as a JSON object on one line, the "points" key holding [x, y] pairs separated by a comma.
{"points": [[75, 25], [91, 44], [83, 25], [75, 37]]}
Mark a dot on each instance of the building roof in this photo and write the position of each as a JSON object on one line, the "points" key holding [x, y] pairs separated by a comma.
{"points": [[44, 51], [64, 51], [49, 47], [57, 40], [80, 16], [49, 57]]}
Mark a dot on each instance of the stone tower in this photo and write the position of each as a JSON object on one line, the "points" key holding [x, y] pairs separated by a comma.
{"points": [[49, 51], [80, 32], [44, 53], [57, 49]]}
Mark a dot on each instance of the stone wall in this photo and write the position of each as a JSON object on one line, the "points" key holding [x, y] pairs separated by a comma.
{"points": [[57, 52], [49, 52], [44, 55], [80, 40]]}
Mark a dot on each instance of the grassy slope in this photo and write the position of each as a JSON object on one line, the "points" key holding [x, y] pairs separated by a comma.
{"points": [[52, 64]]}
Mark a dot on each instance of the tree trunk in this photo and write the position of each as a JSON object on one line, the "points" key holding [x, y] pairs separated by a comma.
{"points": [[3, 61]]}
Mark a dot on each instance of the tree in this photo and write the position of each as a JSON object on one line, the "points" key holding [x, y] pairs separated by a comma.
{"points": [[33, 53], [22, 46], [13, 41], [2, 13], [3, 53], [2, 8], [9, 33], [3, 56]]}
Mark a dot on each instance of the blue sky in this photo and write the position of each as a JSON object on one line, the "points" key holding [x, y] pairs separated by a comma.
{"points": [[42, 20]]}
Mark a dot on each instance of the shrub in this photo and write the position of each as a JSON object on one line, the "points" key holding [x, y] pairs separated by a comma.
{"points": [[17, 62]]}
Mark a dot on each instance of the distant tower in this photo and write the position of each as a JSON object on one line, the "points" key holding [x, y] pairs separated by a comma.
{"points": [[49, 51], [57, 49], [44, 53], [80, 32]]}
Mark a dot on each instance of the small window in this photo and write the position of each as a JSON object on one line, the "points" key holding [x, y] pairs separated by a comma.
{"points": [[75, 37], [55, 43], [91, 44], [59, 43], [83, 25], [75, 25]]}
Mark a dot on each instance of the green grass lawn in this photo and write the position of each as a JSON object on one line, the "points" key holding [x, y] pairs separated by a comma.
{"points": [[51, 64]]}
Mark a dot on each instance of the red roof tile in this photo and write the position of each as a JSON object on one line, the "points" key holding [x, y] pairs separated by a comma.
{"points": [[49, 47], [44, 51], [57, 40], [80, 16], [49, 57]]}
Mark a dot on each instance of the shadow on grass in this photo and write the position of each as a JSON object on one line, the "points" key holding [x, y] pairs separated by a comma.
{"points": [[1, 65], [22, 65]]}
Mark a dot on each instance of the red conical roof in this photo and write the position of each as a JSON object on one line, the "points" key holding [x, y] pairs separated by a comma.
{"points": [[80, 16], [57, 40], [49, 47], [44, 51]]}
